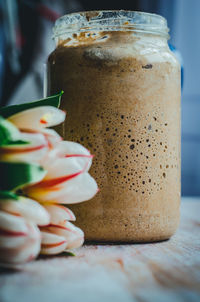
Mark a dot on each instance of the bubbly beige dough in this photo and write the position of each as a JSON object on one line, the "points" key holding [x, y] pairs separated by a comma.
{"points": [[122, 97]]}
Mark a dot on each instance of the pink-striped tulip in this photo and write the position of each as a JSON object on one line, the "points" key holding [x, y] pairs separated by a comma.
{"points": [[38, 118], [73, 236], [64, 234], [59, 214], [52, 244], [19, 240], [67, 179], [52, 137], [34, 151], [29, 209]]}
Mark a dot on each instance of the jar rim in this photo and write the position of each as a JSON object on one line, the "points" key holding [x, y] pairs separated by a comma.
{"points": [[111, 20]]}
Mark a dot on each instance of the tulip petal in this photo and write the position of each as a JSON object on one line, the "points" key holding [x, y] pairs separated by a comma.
{"points": [[52, 244], [59, 167], [28, 208], [67, 158], [26, 252], [34, 151], [52, 136], [75, 242], [32, 248], [59, 214], [38, 118], [74, 150], [11, 225], [73, 235], [65, 229], [81, 188], [78, 189], [12, 241], [7, 240]]}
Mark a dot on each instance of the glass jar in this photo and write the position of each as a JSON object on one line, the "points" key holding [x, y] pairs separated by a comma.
{"points": [[122, 96]]}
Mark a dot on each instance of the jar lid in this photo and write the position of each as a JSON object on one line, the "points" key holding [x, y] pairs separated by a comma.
{"points": [[111, 20]]}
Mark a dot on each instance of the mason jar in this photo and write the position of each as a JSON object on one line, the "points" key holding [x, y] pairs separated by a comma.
{"points": [[121, 88]]}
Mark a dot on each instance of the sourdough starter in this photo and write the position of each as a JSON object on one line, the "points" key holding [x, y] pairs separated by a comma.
{"points": [[122, 98]]}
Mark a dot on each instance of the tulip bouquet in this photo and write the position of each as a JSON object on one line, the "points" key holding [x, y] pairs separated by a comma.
{"points": [[39, 172]]}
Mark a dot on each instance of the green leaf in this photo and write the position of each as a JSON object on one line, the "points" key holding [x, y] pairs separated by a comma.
{"points": [[68, 253], [18, 142], [62, 254], [8, 195], [53, 100], [15, 175], [9, 134]]}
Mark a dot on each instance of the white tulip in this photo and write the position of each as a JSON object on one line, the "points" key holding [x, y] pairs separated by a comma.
{"points": [[30, 209], [73, 188], [11, 225], [38, 118], [52, 244], [67, 158], [33, 151], [13, 230], [52, 137], [59, 214], [14, 250], [66, 181], [72, 234]]}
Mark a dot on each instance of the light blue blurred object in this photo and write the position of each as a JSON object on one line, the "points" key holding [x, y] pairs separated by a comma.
{"points": [[11, 24], [180, 59]]}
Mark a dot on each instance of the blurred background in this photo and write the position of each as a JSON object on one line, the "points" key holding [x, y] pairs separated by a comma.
{"points": [[26, 41]]}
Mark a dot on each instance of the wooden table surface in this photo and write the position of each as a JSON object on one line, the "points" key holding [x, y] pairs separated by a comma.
{"points": [[166, 271]]}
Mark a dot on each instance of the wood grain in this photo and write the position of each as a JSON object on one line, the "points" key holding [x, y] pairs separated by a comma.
{"points": [[165, 271]]}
